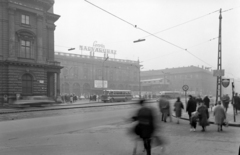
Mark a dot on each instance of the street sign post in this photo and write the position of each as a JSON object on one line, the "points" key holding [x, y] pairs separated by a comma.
{"points": [[185, 89]]}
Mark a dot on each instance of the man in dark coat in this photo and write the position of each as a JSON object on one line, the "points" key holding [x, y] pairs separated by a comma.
{"points": [[206, 101], [146, 125], [236, 102], [191, 106]]}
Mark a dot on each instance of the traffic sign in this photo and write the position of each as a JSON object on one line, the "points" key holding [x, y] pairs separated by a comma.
{"points": [[218, 72], [225, 82], [185, 87]]}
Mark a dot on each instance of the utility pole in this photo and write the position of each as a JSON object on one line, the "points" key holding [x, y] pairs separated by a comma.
{"points": [[104, 59], [219, 63]]}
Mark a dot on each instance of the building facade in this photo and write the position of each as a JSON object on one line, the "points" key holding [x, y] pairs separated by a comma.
{"points": [[27, 64], [199, 80], [83, 75]]}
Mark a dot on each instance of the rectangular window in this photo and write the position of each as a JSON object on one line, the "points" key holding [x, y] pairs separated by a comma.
{"points": [[25, 19], [25, 51]]}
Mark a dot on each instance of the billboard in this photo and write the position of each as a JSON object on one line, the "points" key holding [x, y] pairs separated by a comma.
{"points": [[100, 83]]}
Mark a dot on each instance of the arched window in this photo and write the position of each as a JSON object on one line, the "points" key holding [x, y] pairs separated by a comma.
{"points": [[27, 84]]}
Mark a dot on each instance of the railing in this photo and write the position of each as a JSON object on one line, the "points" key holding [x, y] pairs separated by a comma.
{"points": [[93, 57]]}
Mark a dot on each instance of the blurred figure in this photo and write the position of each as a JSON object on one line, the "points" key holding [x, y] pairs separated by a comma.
{"points": [[191, 106], [220, 115], [146, 125], [206, 101], [193, 121], [203, 116], [199, 100], [178, 106], [236, 103], [225, 100], [164, 107]]}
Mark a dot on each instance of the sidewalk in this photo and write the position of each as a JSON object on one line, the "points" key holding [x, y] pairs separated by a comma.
{"points": [[212, 119]]}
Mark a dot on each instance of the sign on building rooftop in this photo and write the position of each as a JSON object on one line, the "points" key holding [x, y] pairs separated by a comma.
{"points": [[100, 48]]}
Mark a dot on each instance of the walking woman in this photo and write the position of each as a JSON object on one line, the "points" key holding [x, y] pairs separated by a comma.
{"points": [[178, 106], [220, 115], [203, 115]]}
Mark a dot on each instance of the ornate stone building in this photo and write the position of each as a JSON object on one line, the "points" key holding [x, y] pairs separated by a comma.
{"points": [[83, 74], [200, 80], [27, 65]]}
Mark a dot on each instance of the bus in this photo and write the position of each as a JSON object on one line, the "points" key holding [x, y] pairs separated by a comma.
{"points": [[170, 94], [116, 95]]}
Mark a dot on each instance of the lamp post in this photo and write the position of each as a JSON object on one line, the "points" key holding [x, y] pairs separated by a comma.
{"points": [[140, 67], [103, 72], [139, 77]]}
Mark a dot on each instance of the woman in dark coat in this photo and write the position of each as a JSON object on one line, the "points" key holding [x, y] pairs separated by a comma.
{"points": [[178, 106], [203, 115]]}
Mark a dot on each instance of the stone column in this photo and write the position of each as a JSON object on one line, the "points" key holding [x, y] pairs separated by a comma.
{"points": [[12, 49], [58, 84], [39, 38], [58, 88]]}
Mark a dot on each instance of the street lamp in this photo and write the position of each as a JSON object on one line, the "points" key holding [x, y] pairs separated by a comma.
{"points": [[103, 71], [139, 67], [139, 40]]}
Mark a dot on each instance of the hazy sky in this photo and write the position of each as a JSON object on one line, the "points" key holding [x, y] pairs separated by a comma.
{"points": [[81, 24]]}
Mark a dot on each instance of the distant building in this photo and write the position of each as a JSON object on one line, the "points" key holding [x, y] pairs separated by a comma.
{"points": [[27, 64], [84, 75], [200, 80]]}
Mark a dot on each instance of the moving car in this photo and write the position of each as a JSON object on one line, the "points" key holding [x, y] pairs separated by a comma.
{"points": [[34, 101]]}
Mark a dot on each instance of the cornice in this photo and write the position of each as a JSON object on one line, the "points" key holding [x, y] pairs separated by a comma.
{"points": [[52, 17], [29, 64]]}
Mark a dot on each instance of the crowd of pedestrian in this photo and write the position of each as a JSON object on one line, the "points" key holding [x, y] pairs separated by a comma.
{"points": [[146, 126], [69, 98]]}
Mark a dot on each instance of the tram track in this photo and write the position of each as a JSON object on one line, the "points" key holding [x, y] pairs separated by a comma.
{"points": [[60, 107]]}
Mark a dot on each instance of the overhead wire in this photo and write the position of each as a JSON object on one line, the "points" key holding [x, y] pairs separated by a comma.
{"points": [[183, 23], [148, 32], [187, 48]]}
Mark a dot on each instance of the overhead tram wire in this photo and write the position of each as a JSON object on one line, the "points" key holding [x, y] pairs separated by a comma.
{"points": [[148, 32], [187, 48], [183, 23]]}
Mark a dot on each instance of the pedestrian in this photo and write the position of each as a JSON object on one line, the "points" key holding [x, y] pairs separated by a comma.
{"points": [[225, 100], [236, 103], [193, 121], [164, 107], [146, 124], [178, 106], [206, 101], [191, 106], [220, 115], [203, 116]]}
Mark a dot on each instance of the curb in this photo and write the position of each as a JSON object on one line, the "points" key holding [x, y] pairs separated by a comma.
{"points": [[211, 122]]}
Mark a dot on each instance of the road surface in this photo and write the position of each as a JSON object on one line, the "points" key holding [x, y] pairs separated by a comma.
{"points": [[103, 132]]}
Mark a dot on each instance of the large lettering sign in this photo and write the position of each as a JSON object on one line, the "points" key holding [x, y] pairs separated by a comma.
{"points": [[97, 48]]}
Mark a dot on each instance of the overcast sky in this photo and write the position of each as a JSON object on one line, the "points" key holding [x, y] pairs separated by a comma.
{"points": [[82, 23]]}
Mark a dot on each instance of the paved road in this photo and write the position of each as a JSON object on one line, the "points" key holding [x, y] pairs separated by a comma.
{"points": [[103, 132]]}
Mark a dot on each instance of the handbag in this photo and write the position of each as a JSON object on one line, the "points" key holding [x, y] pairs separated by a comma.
{"points": [[225, 123]]}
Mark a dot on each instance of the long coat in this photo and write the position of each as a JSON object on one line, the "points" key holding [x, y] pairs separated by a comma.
{"points": [[164, 106], [219, 114], [191, 105], [203, 115], [178, 108]]}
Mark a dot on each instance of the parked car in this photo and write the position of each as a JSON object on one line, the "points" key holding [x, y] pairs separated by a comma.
{"points": [[34, 101]]}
